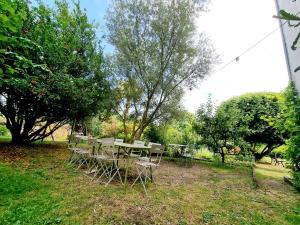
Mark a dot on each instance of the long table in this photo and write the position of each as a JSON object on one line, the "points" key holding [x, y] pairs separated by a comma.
{"points": [[127, 148]]}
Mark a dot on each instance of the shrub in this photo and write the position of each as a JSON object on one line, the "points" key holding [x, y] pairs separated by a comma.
{"points": [[3, 130], [291, 122]]}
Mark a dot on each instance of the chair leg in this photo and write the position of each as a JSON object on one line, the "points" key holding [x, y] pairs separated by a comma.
{"points": [[144, 183], [106, 172], [140, 173], [73, 158], [114, 174], [151, 175], [84, 161], [100, 169]]}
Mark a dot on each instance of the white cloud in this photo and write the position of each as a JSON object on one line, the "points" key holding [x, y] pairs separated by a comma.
{"points": [[234, 26]]}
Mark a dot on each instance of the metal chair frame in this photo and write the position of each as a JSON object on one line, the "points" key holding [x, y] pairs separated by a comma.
{"points": [[146, 165], [110, 161]]}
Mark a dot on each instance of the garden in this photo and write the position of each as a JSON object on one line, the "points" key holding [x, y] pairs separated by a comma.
{"points": [[90, 137]]}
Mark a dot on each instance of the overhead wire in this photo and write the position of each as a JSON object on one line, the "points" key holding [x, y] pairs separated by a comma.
{"points": [[236, 59]]}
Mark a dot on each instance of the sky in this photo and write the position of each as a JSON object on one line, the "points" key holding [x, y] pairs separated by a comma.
{"points": [[233, 26]]}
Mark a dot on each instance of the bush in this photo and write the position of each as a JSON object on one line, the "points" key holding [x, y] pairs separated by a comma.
{"points": [[291, 122], [3, 130], [244, 158], [281, 152]]}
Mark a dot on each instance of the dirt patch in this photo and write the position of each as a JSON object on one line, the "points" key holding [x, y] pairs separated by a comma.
{"points": [[171, 174], [270, 178], [8, 154]]}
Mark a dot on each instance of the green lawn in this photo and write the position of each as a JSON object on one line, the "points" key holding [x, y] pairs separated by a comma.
{"points": [[37, 187]]}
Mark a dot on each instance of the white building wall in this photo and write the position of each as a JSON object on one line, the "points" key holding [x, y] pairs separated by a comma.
{"points": [[289, 34]]}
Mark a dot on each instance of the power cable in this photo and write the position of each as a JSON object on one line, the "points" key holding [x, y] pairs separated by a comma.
{"points": [[236, 59]]}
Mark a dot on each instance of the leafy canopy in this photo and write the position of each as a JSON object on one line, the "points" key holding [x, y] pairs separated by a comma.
{"points": [[157, 54], [258, 113], [51, 69], [290, 121], [220, 129]]}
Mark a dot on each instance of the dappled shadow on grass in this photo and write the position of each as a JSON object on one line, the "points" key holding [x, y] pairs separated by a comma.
{"points": [[201, 193]]}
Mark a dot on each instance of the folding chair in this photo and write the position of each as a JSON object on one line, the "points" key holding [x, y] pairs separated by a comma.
{"points": [[188, 154], [100, 166], [145, 167], [92, 144], [110, 161], [147, 157], [79, 155], [72, 146]]}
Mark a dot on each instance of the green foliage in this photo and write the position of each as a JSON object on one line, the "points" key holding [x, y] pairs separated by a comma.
{"points": [[157, 55], [258, 113], [3, 130], [12, 14], [281, 151], [179, 130], [155, 134], [51, 70], [220, 131], [291, 121]]}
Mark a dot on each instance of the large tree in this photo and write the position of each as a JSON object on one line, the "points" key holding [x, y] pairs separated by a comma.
{"points": [[51, 69], [258, 113], [220, 129], [157, 54]]}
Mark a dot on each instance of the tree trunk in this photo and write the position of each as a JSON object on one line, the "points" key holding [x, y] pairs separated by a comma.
{"points": [[222, 156], [19, 138], [137, 134], [16, 139]]}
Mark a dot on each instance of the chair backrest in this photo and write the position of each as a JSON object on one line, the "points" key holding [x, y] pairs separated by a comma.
{"points": [[92, 142], [153, 143], [137, 142], [119, 140], [73, 141], [156, 151], [108, 147]]}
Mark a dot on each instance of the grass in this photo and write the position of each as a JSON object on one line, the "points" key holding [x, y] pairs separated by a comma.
{"points": [[204, 153], [37, 187]]}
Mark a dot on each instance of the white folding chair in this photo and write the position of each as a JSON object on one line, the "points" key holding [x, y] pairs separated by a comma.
{"points": [[83, 158], [75, 151], [92, 145], [79, 155], [145, 167], [110, 161], [100, 165], [147, 157]]}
